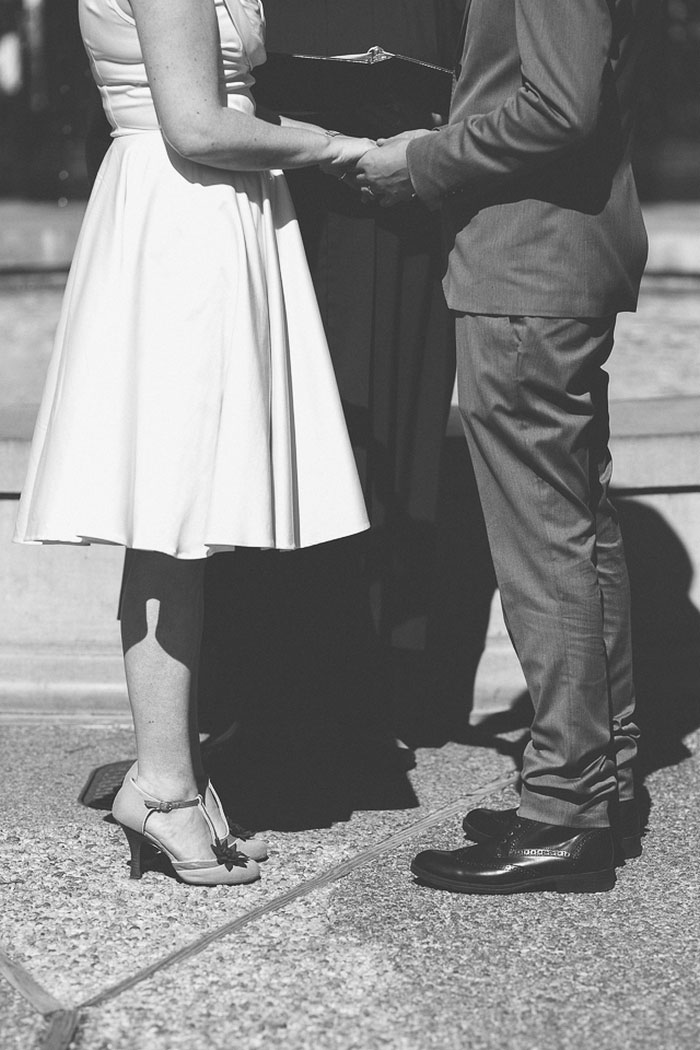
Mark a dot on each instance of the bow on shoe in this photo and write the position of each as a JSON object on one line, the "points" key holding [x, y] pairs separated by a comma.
{"points": [[240, 832], [228, 855]]}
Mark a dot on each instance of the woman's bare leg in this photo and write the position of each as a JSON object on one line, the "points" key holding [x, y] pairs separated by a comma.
{"points": [[161, 620], [195, 749]]}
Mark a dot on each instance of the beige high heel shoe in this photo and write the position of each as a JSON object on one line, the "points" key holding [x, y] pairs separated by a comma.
{"points": [[133, 807], [231, 834]]}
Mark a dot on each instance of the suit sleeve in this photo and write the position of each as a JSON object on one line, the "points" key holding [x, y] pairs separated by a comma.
{"points": [[564, 48]]}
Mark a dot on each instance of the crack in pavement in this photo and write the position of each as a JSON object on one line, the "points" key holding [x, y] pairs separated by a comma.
{"points": [[303, 889], [63, 1019]]}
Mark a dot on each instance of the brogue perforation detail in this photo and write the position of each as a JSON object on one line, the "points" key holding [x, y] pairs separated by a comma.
{"points": [[581, 844], [546, 853]]}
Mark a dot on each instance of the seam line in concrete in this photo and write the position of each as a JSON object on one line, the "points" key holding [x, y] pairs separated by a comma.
{"points": [[303, 889], [63, 1021], [30, 989], [61, 1031]]}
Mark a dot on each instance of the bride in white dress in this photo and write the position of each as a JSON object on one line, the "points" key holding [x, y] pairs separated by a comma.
{"points": [[190, 405]]}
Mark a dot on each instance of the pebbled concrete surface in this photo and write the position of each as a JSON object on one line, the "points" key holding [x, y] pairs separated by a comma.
{"points": [[376, 961], [74, 919], [370, 961], [20, 1026]]}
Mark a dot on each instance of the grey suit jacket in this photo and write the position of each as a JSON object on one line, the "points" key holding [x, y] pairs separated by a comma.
{"points": [[533, 170]]}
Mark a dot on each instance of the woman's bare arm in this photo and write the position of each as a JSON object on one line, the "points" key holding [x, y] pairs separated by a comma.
{"points": [[181, 50], [269, 115]]}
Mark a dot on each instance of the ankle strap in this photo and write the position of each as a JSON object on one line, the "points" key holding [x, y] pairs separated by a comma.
{"points": [[159, 805]]}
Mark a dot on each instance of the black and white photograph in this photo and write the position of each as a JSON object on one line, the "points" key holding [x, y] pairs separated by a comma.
{"points": [[349, 524]]}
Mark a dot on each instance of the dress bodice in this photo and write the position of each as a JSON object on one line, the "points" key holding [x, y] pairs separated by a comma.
{"points": [[113, 47]]}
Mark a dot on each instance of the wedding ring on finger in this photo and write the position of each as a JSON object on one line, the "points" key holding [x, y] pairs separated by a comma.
{"points": [[367, 194]]}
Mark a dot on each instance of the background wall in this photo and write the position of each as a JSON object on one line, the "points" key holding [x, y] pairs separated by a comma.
{"points": [[46, 95]]}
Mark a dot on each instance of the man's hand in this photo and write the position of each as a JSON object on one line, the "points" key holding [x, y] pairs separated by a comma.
{"points": [[382, 173], [406, 136], [342, 153]]}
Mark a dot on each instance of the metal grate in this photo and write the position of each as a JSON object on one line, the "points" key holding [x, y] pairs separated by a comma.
{"points": [[103, 783]]}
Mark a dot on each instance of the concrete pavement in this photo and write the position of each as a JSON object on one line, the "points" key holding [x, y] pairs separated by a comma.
{"points": [[336, 948]]}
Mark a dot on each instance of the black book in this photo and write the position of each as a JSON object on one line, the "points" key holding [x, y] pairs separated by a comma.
{"points": [[374, 94]]}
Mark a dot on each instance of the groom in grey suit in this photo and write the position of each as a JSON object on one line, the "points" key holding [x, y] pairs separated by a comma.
{"points": [[545, 245]]}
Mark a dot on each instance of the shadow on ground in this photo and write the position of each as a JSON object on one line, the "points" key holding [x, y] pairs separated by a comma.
{"points": [[309, 679], [285, 661], [666, 636], [298, 671], [666, 646], [319, 677]]}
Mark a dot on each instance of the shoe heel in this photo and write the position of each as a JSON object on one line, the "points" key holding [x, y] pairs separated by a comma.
{"points": [[136, 842], [590, 882]]}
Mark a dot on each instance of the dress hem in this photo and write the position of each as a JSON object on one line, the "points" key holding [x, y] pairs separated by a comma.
{"points": [[206, 550]]}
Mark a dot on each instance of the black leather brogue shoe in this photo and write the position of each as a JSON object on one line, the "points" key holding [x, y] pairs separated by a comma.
{"points": [[481, 825], [530, 856]]}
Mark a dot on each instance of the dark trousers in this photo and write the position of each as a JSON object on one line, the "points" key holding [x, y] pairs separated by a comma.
{"points": [[533, 398]]}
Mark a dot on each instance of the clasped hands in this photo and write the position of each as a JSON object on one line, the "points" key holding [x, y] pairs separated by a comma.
{"points": [[382, 174]]}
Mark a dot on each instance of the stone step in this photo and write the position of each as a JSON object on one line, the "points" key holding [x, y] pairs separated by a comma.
{"points": [[38, 235], [67, 683], [655, 443], [16, 429], [41, 235], [60, 645]]}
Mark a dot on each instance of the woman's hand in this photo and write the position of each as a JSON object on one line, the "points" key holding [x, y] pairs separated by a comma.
{"points": [[343, 153]]}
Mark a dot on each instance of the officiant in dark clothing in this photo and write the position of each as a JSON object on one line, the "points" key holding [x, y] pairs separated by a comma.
{"points": [[341, 618]]}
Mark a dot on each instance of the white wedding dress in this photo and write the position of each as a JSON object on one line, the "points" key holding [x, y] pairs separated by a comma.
{"points": [[190, 405]]}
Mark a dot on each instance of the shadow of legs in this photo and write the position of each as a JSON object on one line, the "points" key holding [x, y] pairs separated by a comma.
{"points": [[289, 653]]}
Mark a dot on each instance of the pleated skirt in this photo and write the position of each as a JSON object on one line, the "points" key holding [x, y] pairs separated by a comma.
{"points": [[190, 404]]}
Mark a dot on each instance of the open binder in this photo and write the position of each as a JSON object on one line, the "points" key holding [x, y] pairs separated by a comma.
{"points": [[375, 94]]}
